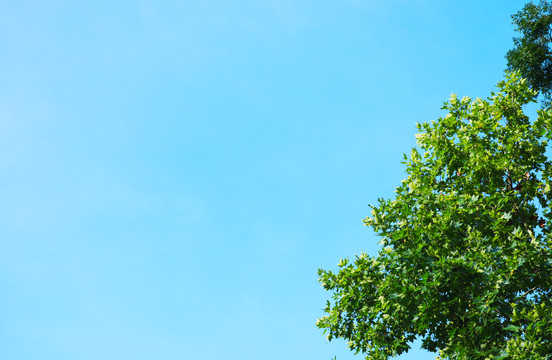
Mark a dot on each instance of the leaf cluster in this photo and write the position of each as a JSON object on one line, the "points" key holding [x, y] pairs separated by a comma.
{"points": [[466, 251], [532, 55]]}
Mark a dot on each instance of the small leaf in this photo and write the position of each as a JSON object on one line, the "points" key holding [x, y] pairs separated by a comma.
{"points": [[512, 328]]}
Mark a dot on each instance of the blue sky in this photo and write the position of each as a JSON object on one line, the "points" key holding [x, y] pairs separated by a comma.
{"points": [[173, 173]]}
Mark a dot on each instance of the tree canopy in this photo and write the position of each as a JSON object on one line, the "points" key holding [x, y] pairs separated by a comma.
{"points": [[532, 55], [466, 258]]}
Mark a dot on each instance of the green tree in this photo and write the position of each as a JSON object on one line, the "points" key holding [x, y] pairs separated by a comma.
{"points": [[532, 55], [466, 258]]}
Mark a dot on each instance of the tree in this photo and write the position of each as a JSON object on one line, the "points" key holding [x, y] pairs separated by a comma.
{"points": [[466, 257], [532, 55]]}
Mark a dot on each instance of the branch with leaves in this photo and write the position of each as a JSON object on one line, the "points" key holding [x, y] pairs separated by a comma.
{"points": [[465, 261]]}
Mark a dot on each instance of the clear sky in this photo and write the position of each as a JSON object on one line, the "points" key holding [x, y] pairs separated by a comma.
{"points": [[173, 173]]}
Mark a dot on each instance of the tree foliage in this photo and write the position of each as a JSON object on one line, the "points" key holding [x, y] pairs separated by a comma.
{"points": [[466, 257], [532, 55]]}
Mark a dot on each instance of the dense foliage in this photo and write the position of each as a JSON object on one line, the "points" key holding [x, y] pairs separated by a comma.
{"points": [[466, 257], [532, 55]]}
